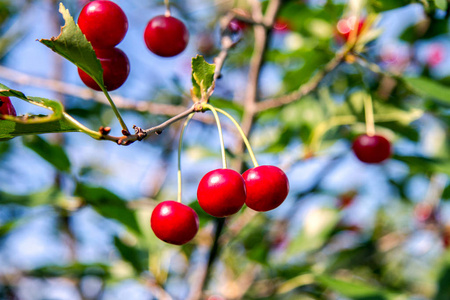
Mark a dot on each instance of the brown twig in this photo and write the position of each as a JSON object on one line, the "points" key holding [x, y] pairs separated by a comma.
{"points": [[140, 133], [305, 88], [88, 94]]}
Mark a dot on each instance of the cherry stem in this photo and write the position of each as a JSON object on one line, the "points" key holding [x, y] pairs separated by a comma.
{"points": [[219, 128], [81, 127], [368, 109], [180, 144], [114, 108], [244, 138], [166, 3]]}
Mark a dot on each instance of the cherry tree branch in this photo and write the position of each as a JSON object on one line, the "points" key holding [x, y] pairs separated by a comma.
{"points": [[88, 94], [305, 88]]}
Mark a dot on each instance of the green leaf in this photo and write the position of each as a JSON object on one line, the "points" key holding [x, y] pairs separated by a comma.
{"points": [[73, 46], [429, 88], [17, 126], [228, 105], [443, 288], [446, 193], [383, 5], [355, 290], [441, 4], [11, 129], [76, 270], [318, 226], [52, 105], [254, 238], [425, 165], [50, 196], [415, 32], [58, 121], [52, 153], [130, 254], [202, 78], [203, 217], [7, 227], [108, 205]]}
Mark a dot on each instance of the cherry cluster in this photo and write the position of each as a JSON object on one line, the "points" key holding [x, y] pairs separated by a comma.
{"points": [[221, 193], [105, 25]]}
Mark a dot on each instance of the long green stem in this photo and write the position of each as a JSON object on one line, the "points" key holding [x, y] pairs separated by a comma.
{"points": [[244, 138], [368, 109], [219, 128], [81, 127], [180, 144], [114, 108]]}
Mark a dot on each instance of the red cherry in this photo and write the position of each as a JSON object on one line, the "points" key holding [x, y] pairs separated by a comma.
{"points": [[166, 36], [372, 149], [236, 26], [103, 23], [267, 187], [347, 27], [221, 192], [174, 222], [282, 25], [116, 68], [6, 107]]}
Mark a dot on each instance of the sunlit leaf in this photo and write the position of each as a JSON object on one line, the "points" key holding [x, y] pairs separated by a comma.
{"points": [[130, 254], [429, 88], [52, 153], [202, 77], [356, 290], [73, 45], [11, 126], [108, 205]]}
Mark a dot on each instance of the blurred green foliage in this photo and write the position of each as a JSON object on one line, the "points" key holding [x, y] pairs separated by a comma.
{"points": [[312, 250]]}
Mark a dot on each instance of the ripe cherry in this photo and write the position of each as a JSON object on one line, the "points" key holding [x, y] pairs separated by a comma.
{"points": [[174, 222], [236, 26], [282, 25], [103, 23], [267, 187], [221, 192], [116, 68], [371, 149], [166, 36], [6, 107], [347, 27]]}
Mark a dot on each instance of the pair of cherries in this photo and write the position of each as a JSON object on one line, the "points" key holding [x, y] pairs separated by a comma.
{"points": [[221, 193], [105, 24]]}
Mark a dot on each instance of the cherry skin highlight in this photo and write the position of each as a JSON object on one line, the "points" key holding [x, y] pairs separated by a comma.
{"points": [[174, 222], [103, 23], [371, 149], [166, 36], [6, 107], [116, 68], [221, 192], [267, 187]]}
